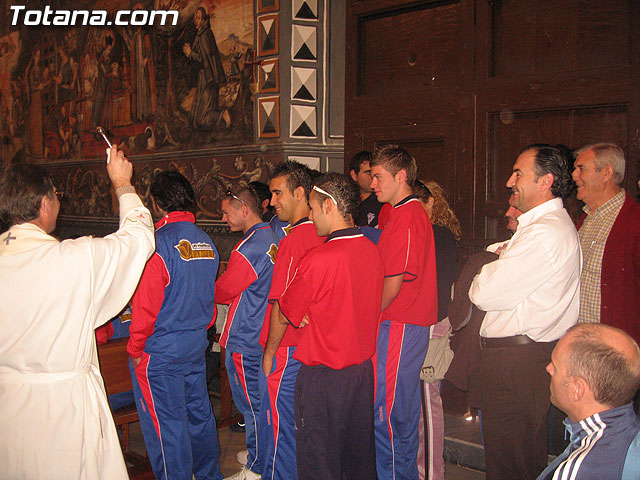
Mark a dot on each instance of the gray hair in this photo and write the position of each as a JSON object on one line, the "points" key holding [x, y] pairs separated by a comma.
{"points": [[607, 154]]}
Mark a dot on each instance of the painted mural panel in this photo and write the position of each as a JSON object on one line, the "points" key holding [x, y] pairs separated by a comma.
{"points": [[88, 192], [152, 88]]}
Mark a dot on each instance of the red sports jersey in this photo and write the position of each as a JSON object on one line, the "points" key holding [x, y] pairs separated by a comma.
{"points": [[408, 249], [383, 216], [301, 238], [339, 286]]}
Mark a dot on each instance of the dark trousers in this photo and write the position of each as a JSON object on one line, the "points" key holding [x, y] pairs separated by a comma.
{"points": [[515, 402], [333, 411]]}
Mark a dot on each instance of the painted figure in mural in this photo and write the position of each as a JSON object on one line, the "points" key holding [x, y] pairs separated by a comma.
{"points": [[211, 74], [101, 114], [236, 56], [68, 129], [143, 74], [67, 78], [139, 43], [35, 76]]}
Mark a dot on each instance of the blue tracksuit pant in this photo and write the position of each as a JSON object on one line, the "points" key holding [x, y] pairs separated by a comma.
{"points": [[243, 371], [398, 360], [177, 422], [277, 416]]}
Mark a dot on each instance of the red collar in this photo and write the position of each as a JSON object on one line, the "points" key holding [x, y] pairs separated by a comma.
{"points": [[177, 216]]}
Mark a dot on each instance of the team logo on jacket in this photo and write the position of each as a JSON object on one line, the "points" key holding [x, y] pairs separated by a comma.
{"points": [[195, 251], [273, 252]]}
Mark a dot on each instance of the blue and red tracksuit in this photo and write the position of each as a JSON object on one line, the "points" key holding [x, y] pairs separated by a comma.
{"points": [[245, 285], [171, 311], [280, 228], [277, 415], [407, 249]]}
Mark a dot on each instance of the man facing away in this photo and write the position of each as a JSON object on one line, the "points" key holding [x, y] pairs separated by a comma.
{"points": [[290, 185], [171, 311], [334, 298], [409, 307], [54, 416], [245, 286], [610, 239], [369, 207], [531, 296], [595, 372]]}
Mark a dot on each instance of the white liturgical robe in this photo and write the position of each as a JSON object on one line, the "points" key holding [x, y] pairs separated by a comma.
{"points": [[55, 421]]}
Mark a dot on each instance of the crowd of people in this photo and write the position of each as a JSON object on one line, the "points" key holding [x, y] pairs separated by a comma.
{"points": [[342, 297]]}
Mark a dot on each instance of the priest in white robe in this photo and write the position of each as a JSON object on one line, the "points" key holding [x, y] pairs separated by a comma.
{"points": [[55, 421]]}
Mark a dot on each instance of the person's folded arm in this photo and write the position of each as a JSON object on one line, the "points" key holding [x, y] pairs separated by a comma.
{"points": [[235, 280], [523, 268]]}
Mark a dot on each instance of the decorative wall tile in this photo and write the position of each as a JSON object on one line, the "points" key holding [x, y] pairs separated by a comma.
{"points": [[304, 43], [305, 9], [269, 81], [269, 117], [268, 6], [268, 35], [303, 84], [303, 121]]}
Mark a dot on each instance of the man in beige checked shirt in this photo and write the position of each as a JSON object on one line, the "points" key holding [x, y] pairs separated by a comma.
{"points": [[610, 239]]}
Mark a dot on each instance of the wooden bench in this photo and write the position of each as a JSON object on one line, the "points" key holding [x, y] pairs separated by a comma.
{"points": [[114, 365]]}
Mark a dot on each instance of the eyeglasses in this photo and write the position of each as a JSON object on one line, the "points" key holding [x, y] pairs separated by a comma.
{"points": [[318, 189], [230, 194], [59, 195]]}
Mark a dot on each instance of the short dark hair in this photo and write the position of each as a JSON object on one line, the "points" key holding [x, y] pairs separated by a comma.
{"points": [[261, 189], [553, 159], [21, 190], [298, 175], [248, 196], [343, 191], [394, 158], [173, 192], [609, 373], [358, 159]]}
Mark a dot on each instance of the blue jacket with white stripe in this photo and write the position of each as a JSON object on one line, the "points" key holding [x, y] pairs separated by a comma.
{"points": [[604, 446]]}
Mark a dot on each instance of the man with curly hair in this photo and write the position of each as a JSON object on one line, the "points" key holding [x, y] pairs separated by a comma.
{"points": [[532, 296]]}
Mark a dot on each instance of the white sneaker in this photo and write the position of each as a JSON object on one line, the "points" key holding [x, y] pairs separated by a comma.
{"points": [[244, 474], [242, 457]]}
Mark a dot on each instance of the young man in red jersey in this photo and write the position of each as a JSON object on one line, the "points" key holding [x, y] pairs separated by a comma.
{"points": [[334, 300], [290, 185], [409, 307]]}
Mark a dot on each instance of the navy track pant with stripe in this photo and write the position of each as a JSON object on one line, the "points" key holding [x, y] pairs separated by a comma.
{"points": [[177, 422]]}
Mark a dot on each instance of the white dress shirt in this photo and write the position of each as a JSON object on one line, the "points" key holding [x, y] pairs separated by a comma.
{"points": [[533, 289]]}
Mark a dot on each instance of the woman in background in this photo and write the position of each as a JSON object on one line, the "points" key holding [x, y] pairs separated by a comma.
{"points": [[446, 233]]}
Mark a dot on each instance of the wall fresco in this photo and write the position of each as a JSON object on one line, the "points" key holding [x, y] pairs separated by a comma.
{"points": [[87, 191], [153, 89]]}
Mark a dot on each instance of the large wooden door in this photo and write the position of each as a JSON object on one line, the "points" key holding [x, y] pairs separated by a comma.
{"points": [[465, 85]]}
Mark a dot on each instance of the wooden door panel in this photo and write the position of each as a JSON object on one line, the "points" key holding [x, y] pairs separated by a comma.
{"points": [[536, 37], [409, 48]]}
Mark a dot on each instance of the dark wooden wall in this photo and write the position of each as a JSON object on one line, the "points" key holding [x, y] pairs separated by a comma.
{"points": [[465, 85]]}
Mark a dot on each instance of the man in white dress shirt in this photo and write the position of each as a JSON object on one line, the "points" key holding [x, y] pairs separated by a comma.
{"points": [[55, 421], [531, 296]]}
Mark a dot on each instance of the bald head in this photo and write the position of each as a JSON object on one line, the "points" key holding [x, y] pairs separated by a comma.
{"points": [[607, 359]]}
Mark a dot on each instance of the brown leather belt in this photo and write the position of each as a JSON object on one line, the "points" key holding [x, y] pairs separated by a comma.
{"points": [[512, 341]]}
